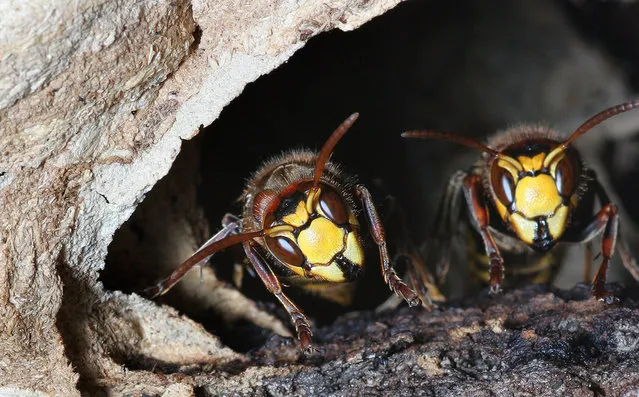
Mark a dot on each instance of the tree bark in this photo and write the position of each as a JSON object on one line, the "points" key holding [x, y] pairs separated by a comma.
{"points": [[530, 342]]}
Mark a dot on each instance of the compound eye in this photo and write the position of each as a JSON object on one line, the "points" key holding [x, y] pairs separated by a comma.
{"points": [[565, 177], [333, 206], [503, 184], [285, 250]]}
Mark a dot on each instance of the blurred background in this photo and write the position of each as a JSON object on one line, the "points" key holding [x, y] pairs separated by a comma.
{"points": [[463, 66]]}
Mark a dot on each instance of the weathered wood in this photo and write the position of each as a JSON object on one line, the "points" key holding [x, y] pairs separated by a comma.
{"points": [[530, 342]]}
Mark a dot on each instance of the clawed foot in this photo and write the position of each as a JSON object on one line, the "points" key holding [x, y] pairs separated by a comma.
{"points": [[404, 291], [306, 342], [496, 273], [304, 335], [495, 290], [400, 288], [310, 350], [600, 293], [153, 292]]}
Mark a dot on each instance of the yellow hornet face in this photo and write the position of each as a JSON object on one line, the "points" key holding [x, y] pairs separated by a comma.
{"points": [[316, 235], [534, 190]]}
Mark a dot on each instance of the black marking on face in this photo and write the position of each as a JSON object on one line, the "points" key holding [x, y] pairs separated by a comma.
{"points": [[543, 240], [351, 271]]}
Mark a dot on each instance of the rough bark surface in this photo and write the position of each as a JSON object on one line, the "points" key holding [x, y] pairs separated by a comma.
{"points": [[95, 97], [529, 342]]}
